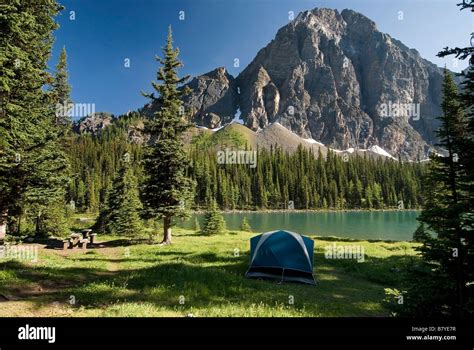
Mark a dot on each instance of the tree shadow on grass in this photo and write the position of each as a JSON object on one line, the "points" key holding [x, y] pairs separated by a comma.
{"points": [[57, 244], [178, 255], [341, 239], [389, 271], [202, 286]]}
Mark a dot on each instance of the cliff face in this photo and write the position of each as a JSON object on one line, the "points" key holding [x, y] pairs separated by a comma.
{"points": [[332, 77], [335, 78], [214, 99]]}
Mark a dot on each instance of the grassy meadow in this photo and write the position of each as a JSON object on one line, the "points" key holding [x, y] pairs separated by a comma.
{"points": [[196, 276]]}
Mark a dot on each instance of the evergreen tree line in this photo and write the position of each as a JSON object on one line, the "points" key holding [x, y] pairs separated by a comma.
{"points": [[305, 180], [281, 179], [94, 162]]}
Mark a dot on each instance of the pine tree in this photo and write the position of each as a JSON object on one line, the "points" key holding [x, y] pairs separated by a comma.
{"points": [[61, 93], [124, 206], [32, 165], [51, 217], [466, 162], [167, 192], [214, 222], [245, 226], [446, 254]]}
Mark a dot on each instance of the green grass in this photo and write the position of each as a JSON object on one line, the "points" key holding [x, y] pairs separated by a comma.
{"points": [[198, 275], [233, 136]]}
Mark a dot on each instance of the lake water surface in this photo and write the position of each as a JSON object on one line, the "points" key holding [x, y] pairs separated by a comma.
{"points": [[390, 225]]}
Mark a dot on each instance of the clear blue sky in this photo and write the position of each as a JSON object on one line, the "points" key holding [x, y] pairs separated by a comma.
{"points": [[214, 32]]}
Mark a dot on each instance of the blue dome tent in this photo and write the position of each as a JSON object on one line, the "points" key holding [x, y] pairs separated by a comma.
{"points": [[282, 255]]}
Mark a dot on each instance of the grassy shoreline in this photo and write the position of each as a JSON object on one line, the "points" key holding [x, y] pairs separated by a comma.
{"points": [[198, 275]]}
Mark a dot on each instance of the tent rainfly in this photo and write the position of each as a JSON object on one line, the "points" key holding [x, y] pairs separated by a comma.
{"points": [[282, 255]]}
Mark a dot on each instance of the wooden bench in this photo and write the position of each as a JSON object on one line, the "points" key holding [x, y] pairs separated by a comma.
{"points": [[84, 243], [74, 241], [86, 233]]}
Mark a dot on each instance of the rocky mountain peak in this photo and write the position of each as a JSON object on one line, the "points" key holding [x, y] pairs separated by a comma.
{"points": [[332, 77], [356, 19], [214, 98], [332, 73]]}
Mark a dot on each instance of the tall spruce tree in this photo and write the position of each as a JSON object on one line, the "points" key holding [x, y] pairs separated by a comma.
{"points": [[447, 254], [31, 163], [61, 92], [466, 158], [451, 291], [167, 191], [50, 213]]}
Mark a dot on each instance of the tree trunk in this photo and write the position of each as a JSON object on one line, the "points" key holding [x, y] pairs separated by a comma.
{"points": [[18, 225], [166, 231], [3, 225], [37, 228]]}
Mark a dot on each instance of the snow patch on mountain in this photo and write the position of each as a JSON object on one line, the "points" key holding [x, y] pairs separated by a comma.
{"points": [[237, 118], [379, 150], [314, 141]]}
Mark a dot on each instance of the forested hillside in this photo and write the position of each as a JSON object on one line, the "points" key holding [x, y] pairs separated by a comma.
{"points": [[279, 181]]}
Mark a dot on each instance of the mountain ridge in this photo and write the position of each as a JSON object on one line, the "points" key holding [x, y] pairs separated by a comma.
{"points": [[325, 75]]}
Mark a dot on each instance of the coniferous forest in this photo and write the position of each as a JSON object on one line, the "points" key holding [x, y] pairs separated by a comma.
{"points": [[281, 180]]}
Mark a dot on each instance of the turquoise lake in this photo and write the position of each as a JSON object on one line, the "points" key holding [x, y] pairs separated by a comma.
{"points": [[388, 225]]}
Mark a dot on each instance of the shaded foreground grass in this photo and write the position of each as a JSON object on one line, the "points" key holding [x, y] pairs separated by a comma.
{"points": [[198, 275]]}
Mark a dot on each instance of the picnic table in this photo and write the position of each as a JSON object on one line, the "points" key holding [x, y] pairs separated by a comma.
{"points": [[76, 239], [87, 234]]}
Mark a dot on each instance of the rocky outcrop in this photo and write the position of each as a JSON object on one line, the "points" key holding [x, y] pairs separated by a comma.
{"points": [[136, 132], [213, 100], [260, 99], [93, 124]]}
